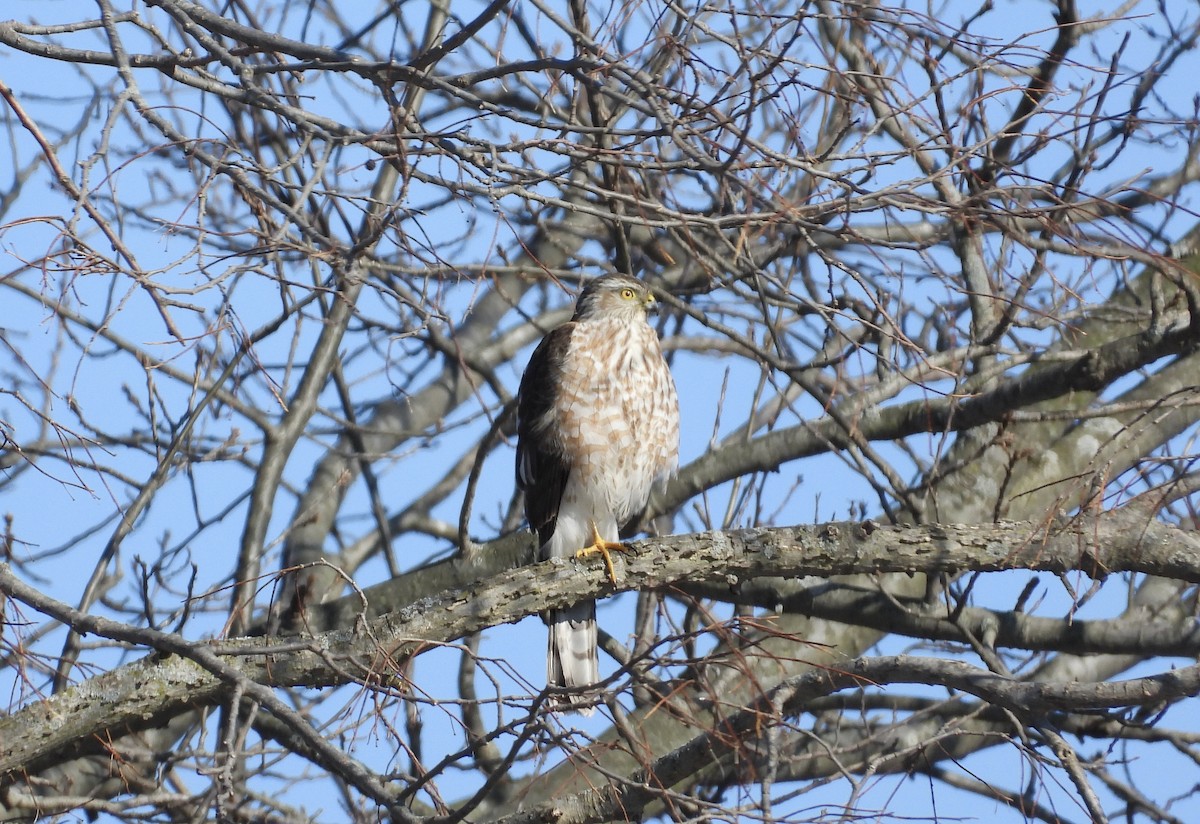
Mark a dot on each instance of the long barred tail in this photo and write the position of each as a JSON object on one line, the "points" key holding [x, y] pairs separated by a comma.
{"points": [[571, 649], [571, 659]]}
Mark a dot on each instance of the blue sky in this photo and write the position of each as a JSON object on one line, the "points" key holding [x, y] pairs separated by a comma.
{"points": [[54, 508]]}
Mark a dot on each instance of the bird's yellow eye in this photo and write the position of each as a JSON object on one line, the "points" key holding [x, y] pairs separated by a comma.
{"points": [[627, 293]]}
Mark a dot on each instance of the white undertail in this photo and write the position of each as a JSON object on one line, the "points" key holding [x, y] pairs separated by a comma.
{"points": [[571, 658]]}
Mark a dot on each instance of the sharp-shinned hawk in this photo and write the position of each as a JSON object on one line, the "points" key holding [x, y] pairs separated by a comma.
{"points": [[597, 428]]}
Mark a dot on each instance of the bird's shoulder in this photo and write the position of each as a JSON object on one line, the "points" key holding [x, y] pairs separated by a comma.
{"points": [[544, 365]]}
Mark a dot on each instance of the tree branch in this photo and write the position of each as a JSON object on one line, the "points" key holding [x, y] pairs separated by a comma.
{"points": [[196, 673]]}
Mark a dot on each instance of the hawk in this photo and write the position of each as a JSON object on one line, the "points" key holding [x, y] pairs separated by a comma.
{"points": [[597, 429]]}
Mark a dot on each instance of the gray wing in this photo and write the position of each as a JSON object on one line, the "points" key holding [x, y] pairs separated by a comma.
{"points": [[541, 468]]}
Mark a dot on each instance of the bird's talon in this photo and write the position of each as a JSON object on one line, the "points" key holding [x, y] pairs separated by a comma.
{"points": [[605, 549]]}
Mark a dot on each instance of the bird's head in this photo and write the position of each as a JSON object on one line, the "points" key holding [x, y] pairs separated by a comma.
{"points": [[618, 296]]}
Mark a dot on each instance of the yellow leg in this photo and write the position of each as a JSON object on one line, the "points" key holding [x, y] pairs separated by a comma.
{"points": [[604, 548]]}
